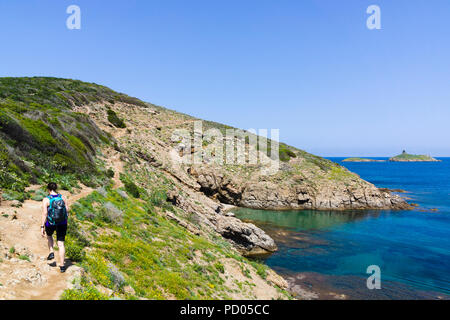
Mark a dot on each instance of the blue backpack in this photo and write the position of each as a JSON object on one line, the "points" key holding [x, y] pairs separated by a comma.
{"points": [[57, 211]]}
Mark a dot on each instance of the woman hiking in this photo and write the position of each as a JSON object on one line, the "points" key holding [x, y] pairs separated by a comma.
{"points": [[54, 218]]}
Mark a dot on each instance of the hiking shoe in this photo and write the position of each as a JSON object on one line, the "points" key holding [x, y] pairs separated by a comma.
{"points": [[51, 256], [63, 269]]}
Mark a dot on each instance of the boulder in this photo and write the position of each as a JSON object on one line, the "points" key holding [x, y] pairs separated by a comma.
{"points": [[248, 238]]}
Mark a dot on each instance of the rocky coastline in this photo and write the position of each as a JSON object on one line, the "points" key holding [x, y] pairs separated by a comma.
{"points": [[204, 191]]}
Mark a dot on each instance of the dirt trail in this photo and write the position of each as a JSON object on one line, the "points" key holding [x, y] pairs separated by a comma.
{"points": [[36, 279], [24, 271]]}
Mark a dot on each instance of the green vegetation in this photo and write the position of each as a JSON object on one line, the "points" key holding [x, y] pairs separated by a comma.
{"points": [[110, 173], [42, 138], [130, 186], [340, 174], [115, 120], [11, 195], [38, 138], [143, 254], [261, 269], [412, 157], [38, 195], [86, 291], [285, 152], [24, 257], [219, 266]]}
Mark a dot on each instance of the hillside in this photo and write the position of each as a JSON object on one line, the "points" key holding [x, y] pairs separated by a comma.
{"points": [[406, 157], [148, 225]]}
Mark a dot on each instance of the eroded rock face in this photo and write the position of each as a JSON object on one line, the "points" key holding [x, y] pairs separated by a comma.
{"points": [[268, 196], [292, 193], [303, 182]]}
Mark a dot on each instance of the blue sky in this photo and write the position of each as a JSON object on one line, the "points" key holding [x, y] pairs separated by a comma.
{"points": [[310, 68]]}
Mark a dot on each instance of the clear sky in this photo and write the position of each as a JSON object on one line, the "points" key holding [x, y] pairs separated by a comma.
{"points": [[310, 68]]}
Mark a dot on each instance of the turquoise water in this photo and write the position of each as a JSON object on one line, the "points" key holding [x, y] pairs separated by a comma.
{"points": [[412, 248]]}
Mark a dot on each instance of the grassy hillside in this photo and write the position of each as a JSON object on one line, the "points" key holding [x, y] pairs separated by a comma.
{"points": [[131, 251], [131, 242], [42, 139]]}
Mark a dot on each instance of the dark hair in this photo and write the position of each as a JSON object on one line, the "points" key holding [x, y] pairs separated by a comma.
{"points": [[52, 186]]}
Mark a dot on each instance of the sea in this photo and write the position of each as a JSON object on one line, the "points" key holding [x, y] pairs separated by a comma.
{"points": [[369, 254]]}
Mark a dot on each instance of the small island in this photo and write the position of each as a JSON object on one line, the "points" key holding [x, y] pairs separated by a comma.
{"points": [[406, 157], [356, 159]]}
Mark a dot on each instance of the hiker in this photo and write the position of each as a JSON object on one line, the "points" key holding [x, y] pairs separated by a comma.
{"points": [[54, 218]]}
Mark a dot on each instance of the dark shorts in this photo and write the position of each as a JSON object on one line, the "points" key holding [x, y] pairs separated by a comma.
{"points": [[61, 231]]}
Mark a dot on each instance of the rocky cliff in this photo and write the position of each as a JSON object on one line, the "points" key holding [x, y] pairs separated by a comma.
{"points": [[303, 181]]}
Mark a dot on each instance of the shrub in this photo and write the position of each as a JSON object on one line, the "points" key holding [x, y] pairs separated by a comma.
{"points": [[102, 191], [39, 131], [24, 257], [74, 250], [110, 173], [158, 198], [88, 180], [39, 195], [11, 195], [115, 120], [284, 156], [110, 213], [76, 143], [116, 147], [260, 268], [76, 233], [88, 215], [219, 266], [291, 153], [123, 194], [86, 292], [116, 277], [132, 189]]}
